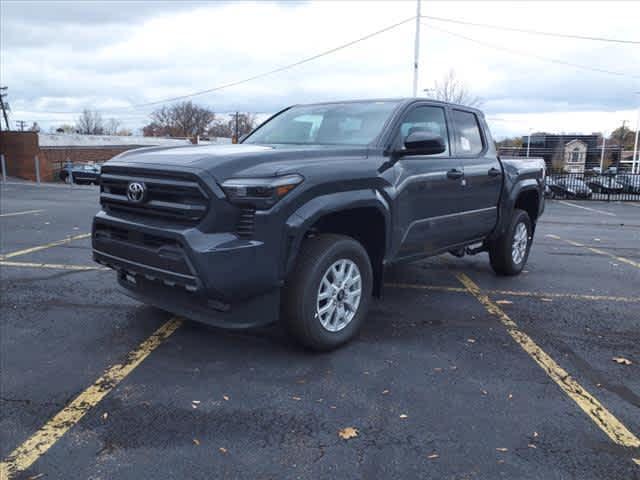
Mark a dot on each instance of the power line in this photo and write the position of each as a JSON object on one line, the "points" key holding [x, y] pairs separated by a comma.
{"points": [[533, 32], [533, 55], [276, 70]]}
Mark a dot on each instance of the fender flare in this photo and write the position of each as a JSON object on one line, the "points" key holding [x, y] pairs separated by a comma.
{"points": [[300, 221], [509, 202]]}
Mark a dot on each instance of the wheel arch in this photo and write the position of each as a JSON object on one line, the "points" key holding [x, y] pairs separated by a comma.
{"points": [[363, 215]]}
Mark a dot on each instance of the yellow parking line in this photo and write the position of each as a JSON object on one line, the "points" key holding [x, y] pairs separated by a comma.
{"points": [[55, 266], [595, 250], [45, 246], [516, 293], [26, 212], [604, 419], [575, 296], [41, 441]]}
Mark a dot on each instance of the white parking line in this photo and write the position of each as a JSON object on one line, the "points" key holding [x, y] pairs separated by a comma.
{"points": [[603, 212], [26, 212]]}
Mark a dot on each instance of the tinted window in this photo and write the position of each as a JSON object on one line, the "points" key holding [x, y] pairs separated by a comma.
{"points": [[426, 119], [468, 138], [357, 123]]}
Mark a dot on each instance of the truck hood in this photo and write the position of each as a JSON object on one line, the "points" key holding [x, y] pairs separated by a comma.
{"points": [[241, 160]]}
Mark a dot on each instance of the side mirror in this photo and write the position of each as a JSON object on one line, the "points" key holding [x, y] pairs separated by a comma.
{"points": [[424, 143]]}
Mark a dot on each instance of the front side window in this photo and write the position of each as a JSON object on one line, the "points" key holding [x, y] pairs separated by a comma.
{"points": [[468, 137], [426, 119], [357, 123]]}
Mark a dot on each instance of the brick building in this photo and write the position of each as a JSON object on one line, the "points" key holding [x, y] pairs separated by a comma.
{"points": [[20, 150]]}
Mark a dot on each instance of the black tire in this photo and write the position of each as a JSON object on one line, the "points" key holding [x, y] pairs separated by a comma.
{"points": [[500, 250], [300, 295]]}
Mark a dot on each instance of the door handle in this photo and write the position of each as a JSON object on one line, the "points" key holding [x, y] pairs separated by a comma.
{"points": [[454, 174], [494, 172]]}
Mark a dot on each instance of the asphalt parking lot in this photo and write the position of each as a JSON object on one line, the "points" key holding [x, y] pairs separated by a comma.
{"points": [[458, 374]]}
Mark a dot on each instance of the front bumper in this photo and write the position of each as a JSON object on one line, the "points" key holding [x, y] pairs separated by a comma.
{"points": [[215, 278]]}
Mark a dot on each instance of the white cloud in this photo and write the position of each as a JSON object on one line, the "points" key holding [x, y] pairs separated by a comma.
{"points": [[74, 57]]}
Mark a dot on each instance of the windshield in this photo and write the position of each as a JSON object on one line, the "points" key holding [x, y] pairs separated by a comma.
{"points": [[357, 123]]}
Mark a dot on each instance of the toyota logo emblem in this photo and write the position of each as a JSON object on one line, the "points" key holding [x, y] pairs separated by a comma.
{"points": [[137, 192]]}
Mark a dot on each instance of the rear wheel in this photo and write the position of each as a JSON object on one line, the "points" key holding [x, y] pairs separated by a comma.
{"points": [[509, 252], [327, 295]]}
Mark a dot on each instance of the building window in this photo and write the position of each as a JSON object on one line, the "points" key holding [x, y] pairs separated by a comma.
{"points": [[576, 155]]}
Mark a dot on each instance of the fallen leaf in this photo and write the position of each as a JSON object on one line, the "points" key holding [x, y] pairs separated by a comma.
{"points": [[432, 456], [504, 302], [437, 369], [223, 450], [35, 477], [196, 441], [531, 445], [297, 399], [544, 299], [105, 415], [348, 432], [510, 397], [484, 392], [622, 360], [333, 407], [535, 434], [502, 449], [385, 392], [471, 340], [404, 415], [197, 402], [226, 398]]}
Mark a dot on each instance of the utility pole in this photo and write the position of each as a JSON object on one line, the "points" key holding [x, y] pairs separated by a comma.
{"points": [[416, 51], [604, 145], [235, 130], [21, 124], [4, 108], [622, 135]]}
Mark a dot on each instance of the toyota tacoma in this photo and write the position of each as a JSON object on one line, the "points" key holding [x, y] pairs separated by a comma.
{"points": [[300, 220]]}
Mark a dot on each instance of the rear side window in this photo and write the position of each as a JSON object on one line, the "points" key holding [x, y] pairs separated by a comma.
{"points": [[468, 137]]}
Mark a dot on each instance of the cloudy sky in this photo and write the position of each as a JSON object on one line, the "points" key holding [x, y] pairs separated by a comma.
{"points": [[60, 57]]}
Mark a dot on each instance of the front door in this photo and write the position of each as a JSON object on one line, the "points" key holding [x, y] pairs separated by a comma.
{"points": [[428, 188]]}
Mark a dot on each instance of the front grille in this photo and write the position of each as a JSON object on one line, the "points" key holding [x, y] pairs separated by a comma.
{"points": [[246, 222], [178, 197]]}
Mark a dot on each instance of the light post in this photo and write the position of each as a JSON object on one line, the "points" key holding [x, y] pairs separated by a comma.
{"points": [[528, 143], [635, 161], [604, 144]]}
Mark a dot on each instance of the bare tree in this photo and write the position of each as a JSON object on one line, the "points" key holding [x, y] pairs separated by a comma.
{"points": [[451, 89], [112, 126], [90, 123], [227, 128], [180, 120]]}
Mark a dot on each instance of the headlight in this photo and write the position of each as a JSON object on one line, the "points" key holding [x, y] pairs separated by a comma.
{"points": [[262, 193]]}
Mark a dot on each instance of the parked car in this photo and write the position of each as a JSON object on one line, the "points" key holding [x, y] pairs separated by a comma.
{"points": [[84, 174], [604, 184], [630, 182], [302, 217], [574, 187]]}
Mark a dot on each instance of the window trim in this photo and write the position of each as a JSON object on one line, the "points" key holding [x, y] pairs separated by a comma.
{"points": [[396, 140], [483, 139]]}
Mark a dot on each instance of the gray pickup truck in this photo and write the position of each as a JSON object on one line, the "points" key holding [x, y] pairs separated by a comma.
{"points": [[299, 221]]}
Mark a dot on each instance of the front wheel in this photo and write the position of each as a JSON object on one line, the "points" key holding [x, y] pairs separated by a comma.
{"points": [[509, 252], [327, 295]]}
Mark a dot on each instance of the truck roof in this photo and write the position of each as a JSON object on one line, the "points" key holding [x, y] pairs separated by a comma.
{"points": [[399, 100]]}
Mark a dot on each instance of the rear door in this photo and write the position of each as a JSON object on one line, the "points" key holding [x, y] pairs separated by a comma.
{"points": [[482, 173], [428, 187]]}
